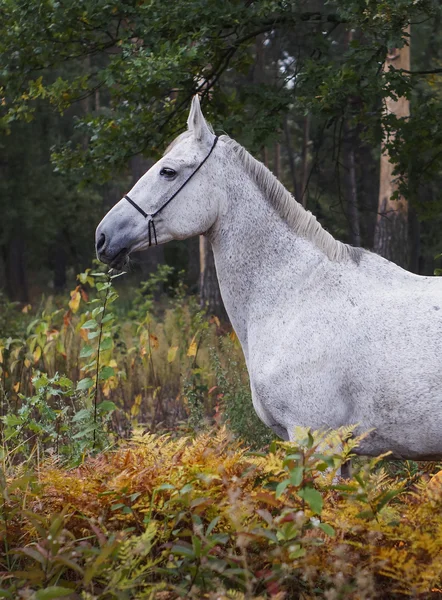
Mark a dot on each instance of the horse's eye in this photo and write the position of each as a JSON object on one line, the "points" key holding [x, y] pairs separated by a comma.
{"points": [[166, 172]]}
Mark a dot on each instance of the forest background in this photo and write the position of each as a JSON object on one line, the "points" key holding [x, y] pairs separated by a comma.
{"points": [[93, 91], [132, 462]]}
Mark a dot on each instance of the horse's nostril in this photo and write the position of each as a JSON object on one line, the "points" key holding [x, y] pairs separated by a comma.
{"points": [[101, 242]]}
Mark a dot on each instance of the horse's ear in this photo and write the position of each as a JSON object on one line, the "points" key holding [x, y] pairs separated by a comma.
{"points": [[197, 123]]}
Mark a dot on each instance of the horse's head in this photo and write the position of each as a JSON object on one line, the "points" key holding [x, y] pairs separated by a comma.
{"points": [[177, 198]]}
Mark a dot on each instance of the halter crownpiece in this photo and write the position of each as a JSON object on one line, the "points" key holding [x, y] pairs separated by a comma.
{"points": [[151, 223]]}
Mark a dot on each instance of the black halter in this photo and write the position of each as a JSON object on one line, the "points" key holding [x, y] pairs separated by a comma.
{"points": [[151, 224]]}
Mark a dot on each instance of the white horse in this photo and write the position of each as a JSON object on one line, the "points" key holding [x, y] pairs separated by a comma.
{"points": [[332, 335]]}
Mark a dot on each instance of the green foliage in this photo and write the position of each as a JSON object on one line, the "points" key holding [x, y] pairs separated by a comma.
{"points": [[163, 367], [66, 419], [199, 45], [144, 300], [235, 398], [123, 75], [12, 323]]}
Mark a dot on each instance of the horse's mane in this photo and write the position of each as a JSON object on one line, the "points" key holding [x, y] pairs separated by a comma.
{"points": [[302, 221]]}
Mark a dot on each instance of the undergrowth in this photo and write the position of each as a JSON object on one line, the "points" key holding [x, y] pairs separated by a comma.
{"points": [[98, 503], [76, 377], [167, 518]]}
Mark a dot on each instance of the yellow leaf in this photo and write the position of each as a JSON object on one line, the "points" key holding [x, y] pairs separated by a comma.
{"points": [[1, 354], [37, 354], [27, 363], [192, 348], [172, 353], [16, 387], [74, 302], [232, 336], [26, 308], [135, 408]]}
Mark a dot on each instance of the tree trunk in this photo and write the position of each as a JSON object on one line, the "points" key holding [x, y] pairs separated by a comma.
{"points": [[305, 171], [60, 263], [277, 160], [291, 159], [391, 234], [210, 295], [15, 270], [351, 187]]}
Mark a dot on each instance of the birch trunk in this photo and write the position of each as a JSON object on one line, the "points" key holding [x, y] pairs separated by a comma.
{"points": [[391, 234]]}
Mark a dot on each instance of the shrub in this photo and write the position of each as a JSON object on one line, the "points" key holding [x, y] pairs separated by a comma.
{"points": [[205, 518]]}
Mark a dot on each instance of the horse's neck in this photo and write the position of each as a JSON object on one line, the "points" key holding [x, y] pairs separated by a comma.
{"points": [[259, 258]]}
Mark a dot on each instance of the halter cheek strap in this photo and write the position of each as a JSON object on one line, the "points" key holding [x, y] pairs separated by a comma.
{"points": [[151, 223]]}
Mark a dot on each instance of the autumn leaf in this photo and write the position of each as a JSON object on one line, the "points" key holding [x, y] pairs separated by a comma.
{"points": [[67, 318], [135, 408], [192, 349], [37, 354], [172, 353], [154, 340], [74, 302]]}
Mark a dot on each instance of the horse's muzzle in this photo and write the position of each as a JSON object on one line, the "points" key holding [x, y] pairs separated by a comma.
{"points": [[114, 257]]}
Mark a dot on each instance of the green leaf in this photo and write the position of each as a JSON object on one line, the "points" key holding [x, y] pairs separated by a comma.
{"points": [[281, 487], [296, 475], [106, 344], [53, 592], [183, 551], [297, 553], [165, 486], [91, 324], [65, 382], [85, 384], [313, 499], [84, 432], [385, 499], [106, 372], [84, 413], [97, 311], [328, 529], [86, 351], [213, 523], [106, 407]]}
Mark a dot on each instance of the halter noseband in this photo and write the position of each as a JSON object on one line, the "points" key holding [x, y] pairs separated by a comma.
{"points": [[151, 224]]}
